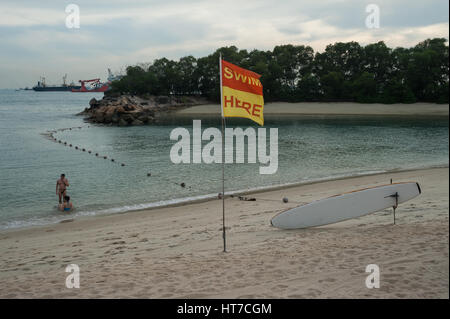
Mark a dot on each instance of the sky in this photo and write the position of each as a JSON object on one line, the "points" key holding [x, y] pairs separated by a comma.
{"points": [[35, 41]]}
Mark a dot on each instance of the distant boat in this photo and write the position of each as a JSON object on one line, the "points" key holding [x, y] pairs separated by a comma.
{"points": [[43, 87], [94, 86]]}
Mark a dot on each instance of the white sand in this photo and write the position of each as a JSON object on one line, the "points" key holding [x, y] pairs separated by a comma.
{"points": [[176, 252], [330, 109]]}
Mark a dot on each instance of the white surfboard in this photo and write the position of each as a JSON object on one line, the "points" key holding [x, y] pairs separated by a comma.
{"points": [[346, 206]]}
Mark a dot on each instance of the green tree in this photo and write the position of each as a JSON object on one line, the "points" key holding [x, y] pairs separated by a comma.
{"points": [[340, 61], [188, 77], [428, 69], [343, 72], [364, 88], [333, 86], [290, 63]]}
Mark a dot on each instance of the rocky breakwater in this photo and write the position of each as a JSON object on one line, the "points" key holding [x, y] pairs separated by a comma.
{"points": [[127, 110]]}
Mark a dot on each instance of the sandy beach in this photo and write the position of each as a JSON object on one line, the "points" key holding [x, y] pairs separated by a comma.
{"points": [[331, 109], [176, 252]]}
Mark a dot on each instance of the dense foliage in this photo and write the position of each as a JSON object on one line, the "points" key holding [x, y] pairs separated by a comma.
{"points": [[294, 73]]}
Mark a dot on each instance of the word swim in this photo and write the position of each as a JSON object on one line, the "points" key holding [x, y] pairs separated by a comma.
{"points": [[230, 74], [212, 151]]}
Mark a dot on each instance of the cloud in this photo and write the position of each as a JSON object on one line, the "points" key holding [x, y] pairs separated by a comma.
{"points": [[118, 33], [15, 16]]}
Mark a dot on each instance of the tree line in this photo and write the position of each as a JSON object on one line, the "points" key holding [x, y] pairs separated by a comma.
{"points": [[347, 71]]}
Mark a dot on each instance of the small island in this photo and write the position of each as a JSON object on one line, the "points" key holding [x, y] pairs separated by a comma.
{"points": [[344, 73]]}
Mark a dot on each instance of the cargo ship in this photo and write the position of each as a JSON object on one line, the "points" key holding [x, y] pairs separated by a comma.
{"points": [[43, 87]]}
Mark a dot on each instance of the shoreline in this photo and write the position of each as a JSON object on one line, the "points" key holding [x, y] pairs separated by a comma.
{"points": [[164, 253], [202, 198], [330, 109]]}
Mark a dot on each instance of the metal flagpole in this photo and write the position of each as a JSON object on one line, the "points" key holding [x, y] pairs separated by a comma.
{"points": [[223, 159]]}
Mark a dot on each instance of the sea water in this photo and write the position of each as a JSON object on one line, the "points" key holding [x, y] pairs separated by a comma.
{"points": [[310, 148]]}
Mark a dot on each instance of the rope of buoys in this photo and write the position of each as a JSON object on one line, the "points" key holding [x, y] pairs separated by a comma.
{"points": [[50, 134]]}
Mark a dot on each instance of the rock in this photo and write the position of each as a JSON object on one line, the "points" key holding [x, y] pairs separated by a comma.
{"points": [[130, 107], [120, 109], [123, 100], [137, 122], [115, 119], [143, 118], [135, 110], [99, 117], [110, 110], [93, 102], [162, 99], [107, 118]]}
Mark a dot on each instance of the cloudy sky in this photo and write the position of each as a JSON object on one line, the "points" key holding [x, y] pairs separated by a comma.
{"points": [[35, 41]]}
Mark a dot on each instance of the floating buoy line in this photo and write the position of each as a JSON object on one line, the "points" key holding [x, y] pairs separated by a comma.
{"points": [[51, 136]]}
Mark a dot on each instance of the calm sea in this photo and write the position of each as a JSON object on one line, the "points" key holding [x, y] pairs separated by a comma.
{"points": [[309, 149]]}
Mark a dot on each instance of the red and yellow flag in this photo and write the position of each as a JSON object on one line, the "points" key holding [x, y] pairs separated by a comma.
{"points": [[242, 93]]}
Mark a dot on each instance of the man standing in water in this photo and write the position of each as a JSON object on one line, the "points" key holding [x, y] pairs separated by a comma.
{"points": [[61, 185]]}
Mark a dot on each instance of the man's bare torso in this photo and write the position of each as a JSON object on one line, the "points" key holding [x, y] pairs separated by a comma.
{"points": [[62, 184]]}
